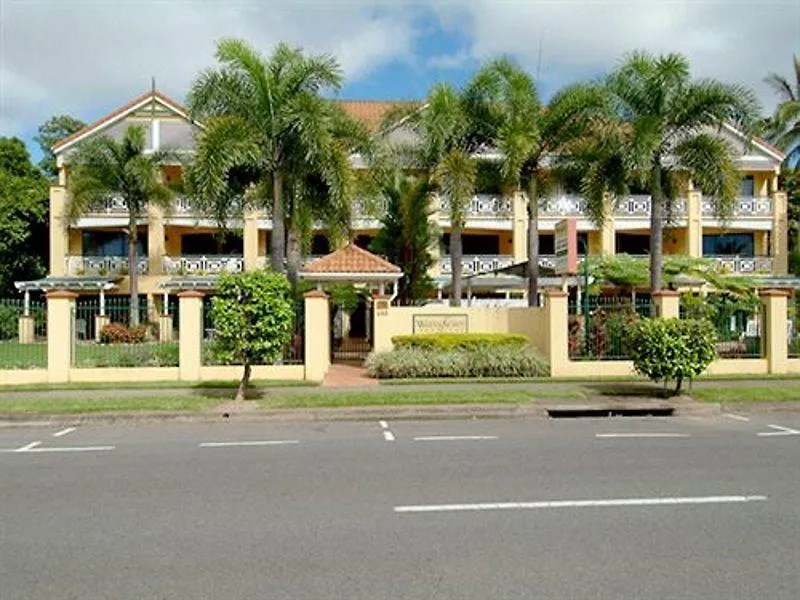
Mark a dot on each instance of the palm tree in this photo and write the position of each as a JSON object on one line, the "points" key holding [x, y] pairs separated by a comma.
{"points": [[528, 134], [263, 118], [660, 126], [783, 128], [101, 167]]}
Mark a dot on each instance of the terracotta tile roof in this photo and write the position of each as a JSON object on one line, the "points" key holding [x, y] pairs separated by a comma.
{"points": [[351, 259], [119, 111], [371, 112]]}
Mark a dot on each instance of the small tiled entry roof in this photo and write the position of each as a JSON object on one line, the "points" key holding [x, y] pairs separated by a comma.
{"points": [[351, 259]]}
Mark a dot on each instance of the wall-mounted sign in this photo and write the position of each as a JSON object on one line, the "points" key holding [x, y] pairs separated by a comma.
{"points": [[566, 247], [440, 324]]}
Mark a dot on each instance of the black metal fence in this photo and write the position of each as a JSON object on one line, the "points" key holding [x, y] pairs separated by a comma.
{"points": [[598, 324], [24, 348]]}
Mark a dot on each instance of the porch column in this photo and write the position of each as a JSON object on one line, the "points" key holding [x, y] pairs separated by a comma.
{"points": [[250, 240], [780, 234], [165, 322], [519, 228], [608, 233], [156, 241], [317, 335], [694, 223], [100, 319]]}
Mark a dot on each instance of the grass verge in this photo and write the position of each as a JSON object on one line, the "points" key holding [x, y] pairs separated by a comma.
{"points": [[723, 395], [156, 385], [65, 406]]}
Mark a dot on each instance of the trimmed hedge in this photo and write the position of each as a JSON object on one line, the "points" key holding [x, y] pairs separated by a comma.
{"points": [[492, 361], [459, 341]]}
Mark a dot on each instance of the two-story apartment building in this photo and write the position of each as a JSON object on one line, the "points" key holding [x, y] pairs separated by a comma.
{"points": [[91, 252]]}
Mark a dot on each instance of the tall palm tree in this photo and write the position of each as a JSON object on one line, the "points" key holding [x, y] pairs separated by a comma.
{"points": [[528, 135], [664, 127], [783, 128], [101, 167], [263, 117]]}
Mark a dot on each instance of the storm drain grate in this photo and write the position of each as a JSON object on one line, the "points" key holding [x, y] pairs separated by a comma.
{"points": [[581, 412]]}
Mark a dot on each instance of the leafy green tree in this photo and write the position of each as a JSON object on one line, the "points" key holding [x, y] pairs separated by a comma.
{"points": [[269, 132], [660, 128], [51, 131], [101, 167], [406, 234], [23, 216], [252, 315], [783, 128], [528, 134], [671, 349]]}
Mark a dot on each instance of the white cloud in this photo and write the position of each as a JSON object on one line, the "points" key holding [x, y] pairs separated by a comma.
{"points": [[86, 56], [733, 40]]}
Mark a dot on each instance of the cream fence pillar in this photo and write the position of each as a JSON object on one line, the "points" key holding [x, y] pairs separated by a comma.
{"points": [[694, 223], [60, 335], [775, 335], [317, 335], [191, 335], [26, 329], [668, 304], [780, 234], [557, 332]]}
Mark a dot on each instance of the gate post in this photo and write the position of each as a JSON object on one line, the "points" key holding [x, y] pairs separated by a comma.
{"points": [[317, 335], [60, 335], [775, 329], [190, 346]]}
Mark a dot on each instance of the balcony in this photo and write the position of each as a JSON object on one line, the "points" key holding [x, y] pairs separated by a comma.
{"points": [[482, 206], [203, 265], [78, 266], [116, 205], [472, 265], [742, 265], [744, 206]]}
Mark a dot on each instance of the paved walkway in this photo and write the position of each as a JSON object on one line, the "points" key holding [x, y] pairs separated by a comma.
{"points": [[344, 375]]}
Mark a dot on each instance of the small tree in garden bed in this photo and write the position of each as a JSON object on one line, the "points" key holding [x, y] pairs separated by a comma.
{"points": [[252, 316], [672, 349]]}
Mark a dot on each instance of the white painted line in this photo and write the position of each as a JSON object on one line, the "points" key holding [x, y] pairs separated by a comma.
{"points": [[384, 424], [641, 435], [453, 438], [618, 502], [256, 443], [388, 436], [64, 431], [73, 449], [28, 448], [736, 417], [780, 431]]}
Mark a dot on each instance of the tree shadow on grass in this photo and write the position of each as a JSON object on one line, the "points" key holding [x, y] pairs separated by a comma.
{"points": [[623, 390], [228, 393]]}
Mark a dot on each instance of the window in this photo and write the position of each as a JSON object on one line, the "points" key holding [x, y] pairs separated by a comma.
{"points": [[363, 241], [201, 244], [111, 243], [633, 243], [320, 246], [747, 186], [474, 244], [729, 244]]}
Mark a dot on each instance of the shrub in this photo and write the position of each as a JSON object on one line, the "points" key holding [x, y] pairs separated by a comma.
{"points": [[672, 349], [462, 341], [494, 361], [114, 333], [8, 322]]}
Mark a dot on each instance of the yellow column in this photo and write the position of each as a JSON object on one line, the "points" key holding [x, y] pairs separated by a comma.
{"points": [[667, 304], [556, 332], [165, 328], [250, 240], [608, 241], [60, 335], [694, 223], [100, 321], [191, 335], [26, 329], [381, 333], [156, 243], [780, 234], [59, 228], [317, 335], [774, 335], [435, 247], [519, 228]]}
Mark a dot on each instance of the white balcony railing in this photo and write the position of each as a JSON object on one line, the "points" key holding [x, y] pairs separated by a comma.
{"points": [[744, 206], [78, 266], [743, 264], [563, 206], [116, 205], [485, 206], [474, 264], [203, 265]]}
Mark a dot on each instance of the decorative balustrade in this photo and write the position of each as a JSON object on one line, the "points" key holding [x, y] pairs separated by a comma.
{"points": [[483, 206], [203, 265], [743, 264], [744, 206], [77, 266], [473, 265], [563, 206], [369, 208]]}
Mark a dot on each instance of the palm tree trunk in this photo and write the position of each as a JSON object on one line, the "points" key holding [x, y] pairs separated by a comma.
{"points": [[533, 244], [133, 273], [278, 243], [293, 255], [244, 383], [456, 253], [656, 229]]}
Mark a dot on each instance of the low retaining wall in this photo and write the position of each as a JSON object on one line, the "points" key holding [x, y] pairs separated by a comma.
{"points": [[123, 374], [738, 366], [23, 376], [234, 372], [592, 368]]}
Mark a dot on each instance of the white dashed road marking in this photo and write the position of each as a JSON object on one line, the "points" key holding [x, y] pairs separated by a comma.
{"points": [[642, 435], [387, 435], [617, 502], [254, 443], [28, 448], [64, 431], [780, 431], [73, 449], [453, 438], [736, 417]]}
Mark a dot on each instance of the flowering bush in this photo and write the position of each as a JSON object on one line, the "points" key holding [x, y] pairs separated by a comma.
{"points": [[114, 333]]}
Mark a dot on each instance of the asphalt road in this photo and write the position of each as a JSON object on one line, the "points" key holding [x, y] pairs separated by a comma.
{"points": [[574, 509]]}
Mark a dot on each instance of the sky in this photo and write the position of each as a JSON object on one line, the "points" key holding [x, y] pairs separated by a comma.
{"points": [[87, 57]]}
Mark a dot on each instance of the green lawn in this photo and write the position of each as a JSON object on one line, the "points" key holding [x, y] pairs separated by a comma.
{"points": [[63, 406], [14, 355], [786, 393]]}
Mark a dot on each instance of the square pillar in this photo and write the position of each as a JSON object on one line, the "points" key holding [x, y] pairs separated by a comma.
{"points": [[156, 241], [165, 328], [317, 335], [60, 335], [667, 304], [556, 331], [780, 234], [26, 329], [191, 335], [250, 240], [774, 336], [382, 338], [519, 228], [100, 321], [694, 224], [59, 231], [608, 233]]}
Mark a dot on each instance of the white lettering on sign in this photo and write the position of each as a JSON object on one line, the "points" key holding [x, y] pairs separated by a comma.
{"points": [[440, 324]]}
